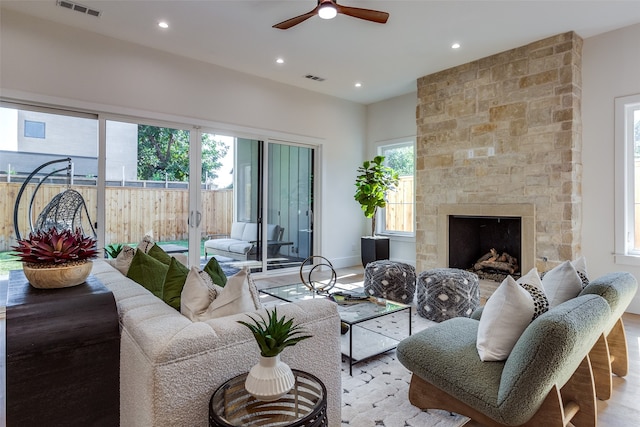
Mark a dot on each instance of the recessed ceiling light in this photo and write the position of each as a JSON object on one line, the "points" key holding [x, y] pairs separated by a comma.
{"points": [[455, 46], [358, 84], [163, 24], [280, 61]]}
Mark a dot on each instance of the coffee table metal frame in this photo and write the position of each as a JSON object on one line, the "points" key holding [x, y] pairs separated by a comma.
{"points": [[352, 314]]}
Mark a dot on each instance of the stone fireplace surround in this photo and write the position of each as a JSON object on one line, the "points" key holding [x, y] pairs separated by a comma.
{"points": [[501, 136]]}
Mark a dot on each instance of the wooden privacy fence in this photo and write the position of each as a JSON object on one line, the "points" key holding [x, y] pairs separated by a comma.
{"points": [[400, 210], [130, 211]]}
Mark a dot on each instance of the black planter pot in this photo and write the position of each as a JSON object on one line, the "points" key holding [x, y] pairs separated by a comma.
{"points": [[374, 249]]}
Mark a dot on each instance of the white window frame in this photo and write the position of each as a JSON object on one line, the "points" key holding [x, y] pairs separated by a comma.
{"points": [[625, 181], [381, 220]]}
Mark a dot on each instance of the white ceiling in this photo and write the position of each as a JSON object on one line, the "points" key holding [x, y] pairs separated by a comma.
{"points": [[386, 58]]}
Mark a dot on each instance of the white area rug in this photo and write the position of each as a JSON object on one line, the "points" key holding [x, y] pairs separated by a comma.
{"points": [[378, 392]]}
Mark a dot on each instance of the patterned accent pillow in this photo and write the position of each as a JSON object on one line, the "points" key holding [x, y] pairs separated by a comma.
{"points": [[540, 301], [507, 313], [208, 281], [581, 267], [124, 258], [147, 242]]}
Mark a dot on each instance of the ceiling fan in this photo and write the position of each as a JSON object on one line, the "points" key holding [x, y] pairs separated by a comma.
{"points": [[328, 9]]}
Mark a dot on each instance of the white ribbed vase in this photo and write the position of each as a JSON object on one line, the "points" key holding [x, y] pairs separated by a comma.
{"points": [[270, 379]]}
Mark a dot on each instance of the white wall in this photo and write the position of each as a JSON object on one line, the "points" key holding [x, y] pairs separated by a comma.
{"points": [[390, 120], [611, 68], [46, 62]]}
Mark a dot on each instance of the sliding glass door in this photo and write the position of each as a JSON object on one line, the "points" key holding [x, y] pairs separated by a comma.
{"points": [[230, 225], [190, 188], [257, 207], [290, 203]]}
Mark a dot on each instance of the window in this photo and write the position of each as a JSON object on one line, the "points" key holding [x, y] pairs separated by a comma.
{"points": [[34, 129], [627, 196], [398, 217]]}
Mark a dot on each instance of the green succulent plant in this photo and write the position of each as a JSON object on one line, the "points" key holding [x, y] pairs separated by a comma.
{"points": [[274, 335], [55, 247], [114, 249]]}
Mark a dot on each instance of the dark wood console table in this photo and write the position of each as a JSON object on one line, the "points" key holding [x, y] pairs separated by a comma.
{"points": [[62, 355]]}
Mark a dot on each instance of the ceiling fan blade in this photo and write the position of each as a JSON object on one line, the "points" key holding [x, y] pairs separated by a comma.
{"points": [[366, 14], [295, 21]]}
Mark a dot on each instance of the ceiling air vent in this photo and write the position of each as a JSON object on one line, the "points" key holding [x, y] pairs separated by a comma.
{"points": [[78, 8], [312, 77]]}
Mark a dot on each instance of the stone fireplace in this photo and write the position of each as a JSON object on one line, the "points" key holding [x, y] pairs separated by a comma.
{"points": [[501, 137]]}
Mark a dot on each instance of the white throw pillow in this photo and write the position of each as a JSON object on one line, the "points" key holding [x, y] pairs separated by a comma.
{"points": [[507, 313], [239, 295], [561, 284], [124, 258]]}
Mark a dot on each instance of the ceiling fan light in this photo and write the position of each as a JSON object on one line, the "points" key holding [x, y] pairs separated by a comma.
{"points": [[327, 11]]}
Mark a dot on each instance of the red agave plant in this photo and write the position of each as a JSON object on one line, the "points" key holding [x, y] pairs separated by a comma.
{"points": [[55, 247]]}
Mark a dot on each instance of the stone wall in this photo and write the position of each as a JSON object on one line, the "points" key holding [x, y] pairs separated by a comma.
{"points": [[505, 129]]}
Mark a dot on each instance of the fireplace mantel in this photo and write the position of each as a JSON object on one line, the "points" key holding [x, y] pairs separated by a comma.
{"points": [[524, 211]]}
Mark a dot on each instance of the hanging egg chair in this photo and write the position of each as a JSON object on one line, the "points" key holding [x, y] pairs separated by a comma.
{"points": [[66, 210]]}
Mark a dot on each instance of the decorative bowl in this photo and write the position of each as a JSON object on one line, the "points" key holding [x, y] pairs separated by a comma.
{"points": [[60, 276]]}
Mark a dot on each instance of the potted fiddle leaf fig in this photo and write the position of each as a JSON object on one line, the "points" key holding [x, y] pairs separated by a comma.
{"points": [[271, 378], [56, 258], [373, 183]]}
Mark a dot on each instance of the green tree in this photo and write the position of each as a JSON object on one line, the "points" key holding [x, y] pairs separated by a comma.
{"points": [[400, 160], [164, 152]]}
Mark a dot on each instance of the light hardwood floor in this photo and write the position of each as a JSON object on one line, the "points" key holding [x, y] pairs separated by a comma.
{"points": [[622, 410]]}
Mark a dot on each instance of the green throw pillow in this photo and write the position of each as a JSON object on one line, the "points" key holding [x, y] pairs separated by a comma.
{"points": [[158, 253], [148, 271], [214, 270], [174, 282]]}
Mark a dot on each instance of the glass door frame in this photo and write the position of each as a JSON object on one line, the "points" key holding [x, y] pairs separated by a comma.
{"points": [[195, 196]]}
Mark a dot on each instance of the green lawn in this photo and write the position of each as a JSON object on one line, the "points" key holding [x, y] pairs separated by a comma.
{"points": [[8, 262]]}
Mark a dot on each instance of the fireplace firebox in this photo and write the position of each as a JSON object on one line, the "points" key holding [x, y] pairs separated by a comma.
{"points": [[472, 237], [523, 235]]}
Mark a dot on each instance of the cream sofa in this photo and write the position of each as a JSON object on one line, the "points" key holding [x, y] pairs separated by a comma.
{"points": [[170, 366]]}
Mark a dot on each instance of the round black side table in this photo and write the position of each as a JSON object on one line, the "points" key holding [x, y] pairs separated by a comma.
{"points": [[304, 405]]}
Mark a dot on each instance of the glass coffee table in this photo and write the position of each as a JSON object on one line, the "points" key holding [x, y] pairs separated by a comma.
{"points": [[369, 343]]}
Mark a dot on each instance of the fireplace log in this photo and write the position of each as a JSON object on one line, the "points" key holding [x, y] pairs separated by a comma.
{"points": [[492, 260], [491, 254], [495, 265]]}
